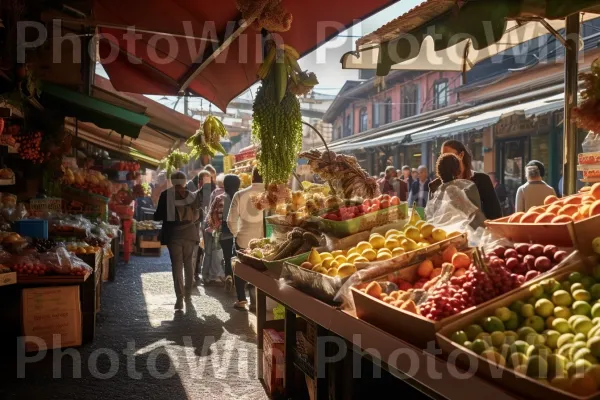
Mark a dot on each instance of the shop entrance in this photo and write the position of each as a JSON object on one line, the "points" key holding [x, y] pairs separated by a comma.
{"points": [[513, 155]]}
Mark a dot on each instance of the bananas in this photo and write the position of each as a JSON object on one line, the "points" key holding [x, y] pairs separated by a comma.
{"points": [[282, 61], [173, 162], [207, 140]]}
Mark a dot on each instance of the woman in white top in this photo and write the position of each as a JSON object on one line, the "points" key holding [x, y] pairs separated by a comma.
{"points": [[245, 222]]}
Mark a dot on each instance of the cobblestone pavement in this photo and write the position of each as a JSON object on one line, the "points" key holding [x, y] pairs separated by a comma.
{"points": [[144, 350]]}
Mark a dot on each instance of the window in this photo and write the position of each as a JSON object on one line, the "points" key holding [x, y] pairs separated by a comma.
{"points": [[440, 94], [387, 111], [375, 114], [410, 100], [363, 119], [348, 126]]}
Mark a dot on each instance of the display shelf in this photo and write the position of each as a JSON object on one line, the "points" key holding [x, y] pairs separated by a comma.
{"points": [[7, 182], [428, 373], [51, 279]]}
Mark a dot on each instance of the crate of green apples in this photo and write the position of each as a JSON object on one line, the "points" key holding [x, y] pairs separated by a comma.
{"points": [[542, 341]]}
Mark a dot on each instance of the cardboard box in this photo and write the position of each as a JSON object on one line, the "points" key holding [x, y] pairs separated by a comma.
{"points": [[52, 311], [273, 361], [9, 278]]}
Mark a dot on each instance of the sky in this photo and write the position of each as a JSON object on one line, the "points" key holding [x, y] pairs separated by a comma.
{"points": [[324, 61]]}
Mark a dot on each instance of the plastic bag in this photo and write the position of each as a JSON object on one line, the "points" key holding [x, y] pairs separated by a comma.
{"points": [[454, 207], [64, 263]]}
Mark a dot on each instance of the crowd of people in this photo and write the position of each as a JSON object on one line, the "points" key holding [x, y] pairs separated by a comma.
{"points": [[206, 219]]}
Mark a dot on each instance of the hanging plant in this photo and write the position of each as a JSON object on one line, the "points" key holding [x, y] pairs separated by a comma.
{"points": [[207, 139], [277, 119]]}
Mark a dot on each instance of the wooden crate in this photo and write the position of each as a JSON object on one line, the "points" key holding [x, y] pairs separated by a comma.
{"points": [[149, 252], [524, 385]]}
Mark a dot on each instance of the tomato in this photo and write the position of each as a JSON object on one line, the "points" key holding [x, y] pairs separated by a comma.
{"points": [[385, 197], [394, 201], [384, 204], [367, 203], [375, 202], [374, 207]]}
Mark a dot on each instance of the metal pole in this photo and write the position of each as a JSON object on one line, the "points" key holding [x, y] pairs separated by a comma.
{"points": [[570, 127], [185, 104]]}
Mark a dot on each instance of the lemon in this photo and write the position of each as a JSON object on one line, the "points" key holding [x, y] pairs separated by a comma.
{"points": [[325, 256], [453, 234], [332, 272], [426, 230], [384, 250], [413, 233], [438, 234], [420, 224], [384, 256], [398, 251], [352, 258], [369, 254], [341, 260], [351, 250], [408, 245], [360, 259], [337, 253], [392, 232], [328, 263], [372, 235], [377, 242], [393, 237], [392, 243], [360, 247]]}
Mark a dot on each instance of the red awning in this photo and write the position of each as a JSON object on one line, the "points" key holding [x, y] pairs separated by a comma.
{"points": [[160, 64]]}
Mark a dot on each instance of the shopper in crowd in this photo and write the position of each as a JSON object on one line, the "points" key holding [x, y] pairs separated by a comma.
{"points": [[456, 194], [204, 188], [213, 173], [419, 191], [407, 176], [179, 210], [212, 270], [502, 194], [394, 186], [489, 201], [381, 181], [414, 174], [245, 222], [534, 192], [217, 218]]}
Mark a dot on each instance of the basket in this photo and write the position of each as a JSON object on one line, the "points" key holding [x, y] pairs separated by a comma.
{"points": [[315, 284], [251, 261], [275, 267], [50, 204], [365, 222]]}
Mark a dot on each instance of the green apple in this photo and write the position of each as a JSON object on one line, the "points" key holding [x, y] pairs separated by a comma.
{"points": [[580, 337], [562, 298], [493, 324], [536, 290], [525, 332], [575, 277], [513, 322], [588, 282], [582, 326], [497, 338], [562, 312], [519, 346], [594, 345], [552, 337], [479, 346], [544, 308], [595, 291], [550, 285], [581, 308], [516, 359], [536, 322], [459, 337], [528, 310], [557, 365], [516, 306], [576, 286], [503, 313], [596, 310], [561, 325], [537, 367], [564, 339], [582, 295], [472, 331]]}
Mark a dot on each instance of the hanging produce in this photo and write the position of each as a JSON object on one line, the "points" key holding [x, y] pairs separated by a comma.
{"points": [[29, 147], [267, 14], [343, 173], [587, 114], [277, 119], [173, 162], [207, 139]]}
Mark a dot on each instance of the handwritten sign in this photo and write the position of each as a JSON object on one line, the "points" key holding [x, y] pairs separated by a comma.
{"points": [[51, 311]]}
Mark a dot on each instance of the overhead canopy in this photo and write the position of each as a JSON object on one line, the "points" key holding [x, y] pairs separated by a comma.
{"points": [[89, 109], [489, 118], [436, 36], [162, 118], [393, 138], [163, 64]]}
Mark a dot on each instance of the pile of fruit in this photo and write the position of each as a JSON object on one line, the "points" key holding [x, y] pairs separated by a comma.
{"points": [[31, 268], [87, 180], [148, 225], [126, 166], [368, 206], [338, 263], [43, 245], [80, 248], [298, 242], [529, 260], [553, 336], [29, 147], [574, 208]]}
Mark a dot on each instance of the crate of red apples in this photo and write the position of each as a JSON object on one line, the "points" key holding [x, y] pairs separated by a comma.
{"points": [[349, 220], [416, 301]]}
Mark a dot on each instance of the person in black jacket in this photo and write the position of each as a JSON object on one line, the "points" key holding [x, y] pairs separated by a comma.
{"points": [[419, 190], [489, 200]]}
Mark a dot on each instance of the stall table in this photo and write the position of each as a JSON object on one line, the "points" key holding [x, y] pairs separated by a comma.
{"points": [[397, 356]]}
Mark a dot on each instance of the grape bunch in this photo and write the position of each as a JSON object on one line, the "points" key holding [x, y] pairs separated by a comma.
{"points": [[448, 299], [43, 245]]}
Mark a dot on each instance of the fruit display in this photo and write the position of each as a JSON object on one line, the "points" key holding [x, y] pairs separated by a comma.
{"points": [[379, 203], [528, 260], [142, 190], [584, 205], [298, 242], [31, 268], [550, 333], [343, 172], [338, 263], [86, 180], [127, 166], [586, 114], [245, 180], [6, 173], [81, 248], [29, 147], [43, 245], [148, 225]]}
